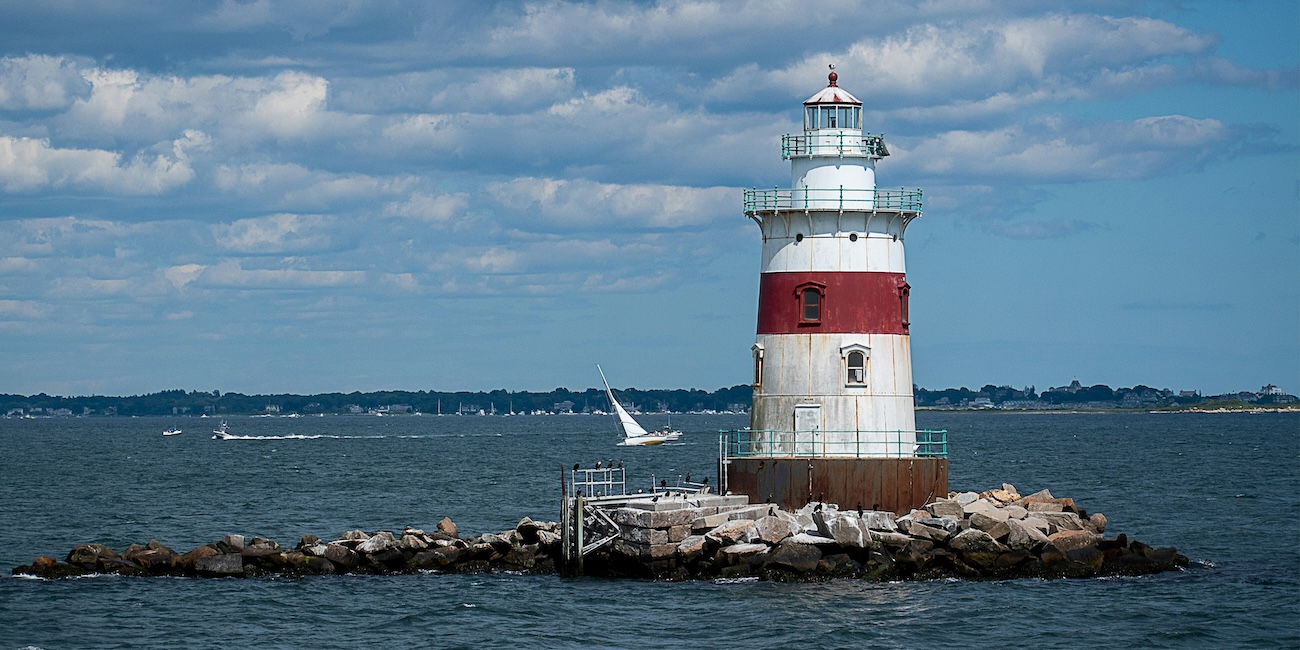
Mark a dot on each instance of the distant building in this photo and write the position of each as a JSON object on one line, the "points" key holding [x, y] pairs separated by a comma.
{"points": [[563, 407]]}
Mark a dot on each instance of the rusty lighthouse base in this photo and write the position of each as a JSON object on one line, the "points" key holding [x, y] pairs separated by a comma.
{"points": [[894, 484]]}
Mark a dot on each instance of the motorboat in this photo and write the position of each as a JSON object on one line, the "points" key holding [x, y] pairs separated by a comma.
{"points": [[172, 431], [222, 432], [633, 433]]}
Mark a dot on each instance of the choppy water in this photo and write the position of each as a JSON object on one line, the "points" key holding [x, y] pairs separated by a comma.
{"points": [[1222, 488]]}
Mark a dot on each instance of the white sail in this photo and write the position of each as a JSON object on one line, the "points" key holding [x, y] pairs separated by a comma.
{"points": [[630, 427]]}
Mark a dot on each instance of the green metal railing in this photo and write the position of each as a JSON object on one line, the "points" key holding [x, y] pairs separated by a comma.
{"points": [[899, 200], [754, 443], [842, 144]]}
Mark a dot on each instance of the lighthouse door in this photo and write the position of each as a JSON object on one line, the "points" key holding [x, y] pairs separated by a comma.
{"points": [[807, 428]]}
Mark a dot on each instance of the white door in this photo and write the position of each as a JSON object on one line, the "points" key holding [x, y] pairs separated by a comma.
{"points": [[807, 428]]}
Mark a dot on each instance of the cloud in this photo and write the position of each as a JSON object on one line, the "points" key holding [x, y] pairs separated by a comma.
{"points": [[22, 309], [1056, 149], [432, 208], [231, 274], [1043, 229], [28, 164], [39, 82], [275, 234], [584, 203]]}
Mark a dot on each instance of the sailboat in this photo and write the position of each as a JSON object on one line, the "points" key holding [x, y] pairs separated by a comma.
{"points": [[633, 432]]}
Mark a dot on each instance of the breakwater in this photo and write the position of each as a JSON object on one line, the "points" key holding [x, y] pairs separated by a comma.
{"points": [[996, 534]]}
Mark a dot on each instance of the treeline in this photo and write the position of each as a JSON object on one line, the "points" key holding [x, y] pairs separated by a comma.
{"points": [[560, 400]]}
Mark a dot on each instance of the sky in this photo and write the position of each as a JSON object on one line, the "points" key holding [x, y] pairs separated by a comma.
{"points": [[307, 196]]}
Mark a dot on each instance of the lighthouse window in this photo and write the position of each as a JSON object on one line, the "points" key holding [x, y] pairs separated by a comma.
{"points": [[904, 292], [857, 366], [811, 305], [810, 118]]}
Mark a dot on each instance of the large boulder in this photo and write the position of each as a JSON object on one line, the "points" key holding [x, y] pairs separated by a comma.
{"points": [[733, 532], [792, 556], [225, 564], [1069, 540], [692, 547], [380, 541], [945, 508], [975, 540], [772, 529], [1023, 537], [847, 531], [880, 520], [88, 556], [448, 527], [528, 529], [736, 554], [1097, 523], [343, 557]]}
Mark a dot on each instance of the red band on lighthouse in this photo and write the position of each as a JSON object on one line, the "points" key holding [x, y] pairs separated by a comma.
{"points": [[846, 302]]}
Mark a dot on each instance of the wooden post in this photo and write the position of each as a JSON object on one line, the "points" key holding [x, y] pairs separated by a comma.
{"points": [[579, 510]]}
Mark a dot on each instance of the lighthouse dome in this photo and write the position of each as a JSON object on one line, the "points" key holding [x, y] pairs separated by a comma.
{"points": [[832, 94]]}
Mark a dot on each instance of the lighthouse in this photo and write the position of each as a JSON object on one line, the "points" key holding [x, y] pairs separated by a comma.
{"points": [[833, 417]]}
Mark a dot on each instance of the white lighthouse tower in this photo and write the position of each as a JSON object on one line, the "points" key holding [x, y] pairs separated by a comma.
{"points": [[832, 361]]}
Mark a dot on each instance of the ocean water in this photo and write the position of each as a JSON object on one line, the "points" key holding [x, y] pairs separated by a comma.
{"points": [[1224, 489]]}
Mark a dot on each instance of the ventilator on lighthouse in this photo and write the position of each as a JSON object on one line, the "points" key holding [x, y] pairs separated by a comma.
{"points": [[833, 413]]}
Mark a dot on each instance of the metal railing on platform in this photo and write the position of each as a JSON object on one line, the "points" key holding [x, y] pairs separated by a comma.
{"points": [[875, 200], [768, 443], [843, 144]]}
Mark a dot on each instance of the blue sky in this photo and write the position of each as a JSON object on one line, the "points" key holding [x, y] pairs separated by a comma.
{"points": [[338, 195]]}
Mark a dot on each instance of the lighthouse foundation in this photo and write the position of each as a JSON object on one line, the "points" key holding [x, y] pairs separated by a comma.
{"points": [[894, 484]]}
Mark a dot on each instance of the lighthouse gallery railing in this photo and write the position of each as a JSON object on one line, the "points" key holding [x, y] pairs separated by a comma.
{"points": [[842, 144], [769, 443], [853, 200]]}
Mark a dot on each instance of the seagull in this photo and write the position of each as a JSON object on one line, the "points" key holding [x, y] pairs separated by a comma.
{"points": [[575, 467], [705, 481], [655, 499], [663, 483], [688, 477], [620, 463], [859, 510], [818, 508]]}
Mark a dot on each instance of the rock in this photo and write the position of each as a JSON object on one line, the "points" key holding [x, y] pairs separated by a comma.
{"points": [[1010, 559], [922, 531], [965, 498], [732, 532], [999, 531], [527, 529], [1097, 522], [88, 556], [644, 535], [1015, 512], [1039, 523], [1023, 537], [308, 540], [435, 559], [978, 505], [1058, 521], [354, 536], [1001, 497], [448, 527], [806, 538], [1087, 555], [389, 559], [691, 547], [1042, 495], [985, 521], [342, 556], [822, 520], [945, 508], [675, 533], [225, 564], [309, 563], [261, 542], [792, 556], [1042, 506], [185, 562], [523, 557], [880, 520], [44, 563], [848, 533], [736, 554], [412, 543], [381, 541], [233, 543], [892, 540], [772, 529], [1007, 487], [974, 540], [1069, 540]]}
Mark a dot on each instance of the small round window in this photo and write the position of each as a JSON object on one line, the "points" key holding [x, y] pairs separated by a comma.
{"points": [[798, 238], [853, 236]]}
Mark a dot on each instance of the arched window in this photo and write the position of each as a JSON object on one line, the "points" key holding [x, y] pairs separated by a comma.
{"points": [[758, 365], [812, 302], [857, 368], [811, 305], [855, 364]]}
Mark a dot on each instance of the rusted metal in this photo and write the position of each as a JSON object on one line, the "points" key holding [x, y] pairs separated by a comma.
{"points": [[894, 484]]}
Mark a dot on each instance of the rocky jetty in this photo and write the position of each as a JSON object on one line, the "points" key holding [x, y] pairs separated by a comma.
{"points": [[530, 547], [997, 534]]}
